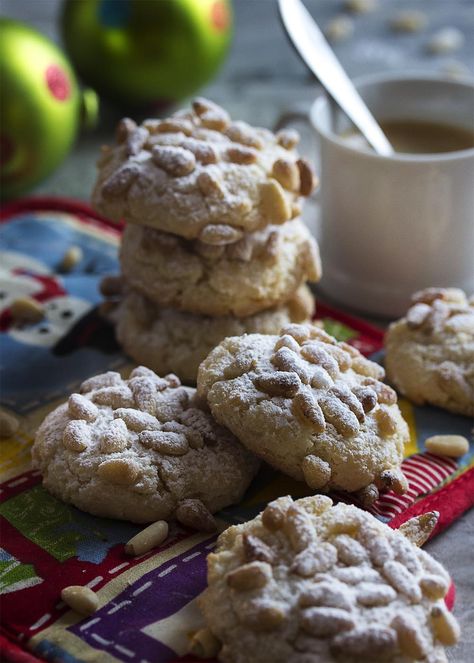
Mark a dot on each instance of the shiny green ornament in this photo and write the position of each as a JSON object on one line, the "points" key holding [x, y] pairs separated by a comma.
{"points": [[40, 107], [141, 53]]}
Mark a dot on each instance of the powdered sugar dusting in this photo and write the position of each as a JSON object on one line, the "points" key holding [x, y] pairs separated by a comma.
{"points": [[155, 177], [307, 398], [430, 352], [125, 439], [326, 599]]}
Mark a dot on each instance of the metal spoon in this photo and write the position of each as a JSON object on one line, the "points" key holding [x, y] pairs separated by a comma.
{"points": [[312, 46]]}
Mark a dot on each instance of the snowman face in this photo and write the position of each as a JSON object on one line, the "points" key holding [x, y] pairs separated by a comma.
{"points": [[13, 285], [61, 314]]}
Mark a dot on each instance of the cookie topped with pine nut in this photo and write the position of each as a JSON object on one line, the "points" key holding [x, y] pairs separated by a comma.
{"points": [[200, 175], [168, 340], [141, 450], [309, 582], [430, 351], [311, 406], [261, 270]]}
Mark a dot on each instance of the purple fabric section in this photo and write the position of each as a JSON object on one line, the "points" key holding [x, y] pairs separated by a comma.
{"points": [[153, 597]]}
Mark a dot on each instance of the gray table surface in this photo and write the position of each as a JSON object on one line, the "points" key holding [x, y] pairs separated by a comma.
{"points": [[263, 78]]}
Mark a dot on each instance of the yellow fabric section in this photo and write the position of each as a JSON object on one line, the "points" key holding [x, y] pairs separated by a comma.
{"points": [[409, 416]]}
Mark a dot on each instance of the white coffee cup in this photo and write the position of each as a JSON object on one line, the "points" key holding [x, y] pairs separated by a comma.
{"points": [[393, 225]]}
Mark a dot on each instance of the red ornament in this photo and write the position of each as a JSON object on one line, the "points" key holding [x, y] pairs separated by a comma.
{"points": [[220, 18], [58, 82]]}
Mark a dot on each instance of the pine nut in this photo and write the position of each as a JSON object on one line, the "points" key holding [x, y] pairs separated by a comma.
{"points": [[287, 173], [149, 538], [288, 138], [80, 599], [71, 258], [250, 576], [194, 514], [445, 625], [418, 529], [308, 180], [204, 644], [27, 310], [447, 445], [339, 28], [410, 638], [435, 587], [8, 424], [121, 471], [274, 204], [409, 20], [273, 516], [446, 40], [316, 472], [360, 6]]}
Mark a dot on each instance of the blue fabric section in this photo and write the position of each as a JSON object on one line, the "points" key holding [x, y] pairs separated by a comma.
{"points": [[40, 362], [51, 652]]}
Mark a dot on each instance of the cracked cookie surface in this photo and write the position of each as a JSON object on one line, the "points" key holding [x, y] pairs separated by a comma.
{"points": [[261, 270], [141, 450], [200, 175], [168, 340], [430, 352], [308, 582], [312, 407]]}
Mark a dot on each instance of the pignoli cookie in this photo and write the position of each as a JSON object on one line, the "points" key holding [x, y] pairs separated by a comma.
{"points": [[260, 271], [312, 407], [430, 352], [202, 176], [167, 340], [309, 582], [141, 450]]}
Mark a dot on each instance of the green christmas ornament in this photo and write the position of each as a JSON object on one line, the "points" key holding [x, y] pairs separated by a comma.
{"points": [[140, 53], [40, 107]]}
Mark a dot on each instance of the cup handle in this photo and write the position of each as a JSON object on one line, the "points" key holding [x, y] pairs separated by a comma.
{"points": [[311, 152], [291, 117]]}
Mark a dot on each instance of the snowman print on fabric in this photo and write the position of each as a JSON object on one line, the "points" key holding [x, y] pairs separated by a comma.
{"points": [[41, 361], [60, 315], [61, 311]]}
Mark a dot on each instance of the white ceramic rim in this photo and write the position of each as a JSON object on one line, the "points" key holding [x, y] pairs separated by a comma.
{"points": [[372, 79]]}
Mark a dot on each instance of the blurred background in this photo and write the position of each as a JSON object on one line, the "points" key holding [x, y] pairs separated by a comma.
{"points": [[243, 60]]}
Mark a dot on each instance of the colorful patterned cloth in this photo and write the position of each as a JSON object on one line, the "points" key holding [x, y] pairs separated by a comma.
{"points": [[147, 604]]}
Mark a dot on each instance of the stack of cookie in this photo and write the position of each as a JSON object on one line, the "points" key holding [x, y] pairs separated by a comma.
{"points": [[214, 245]]}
